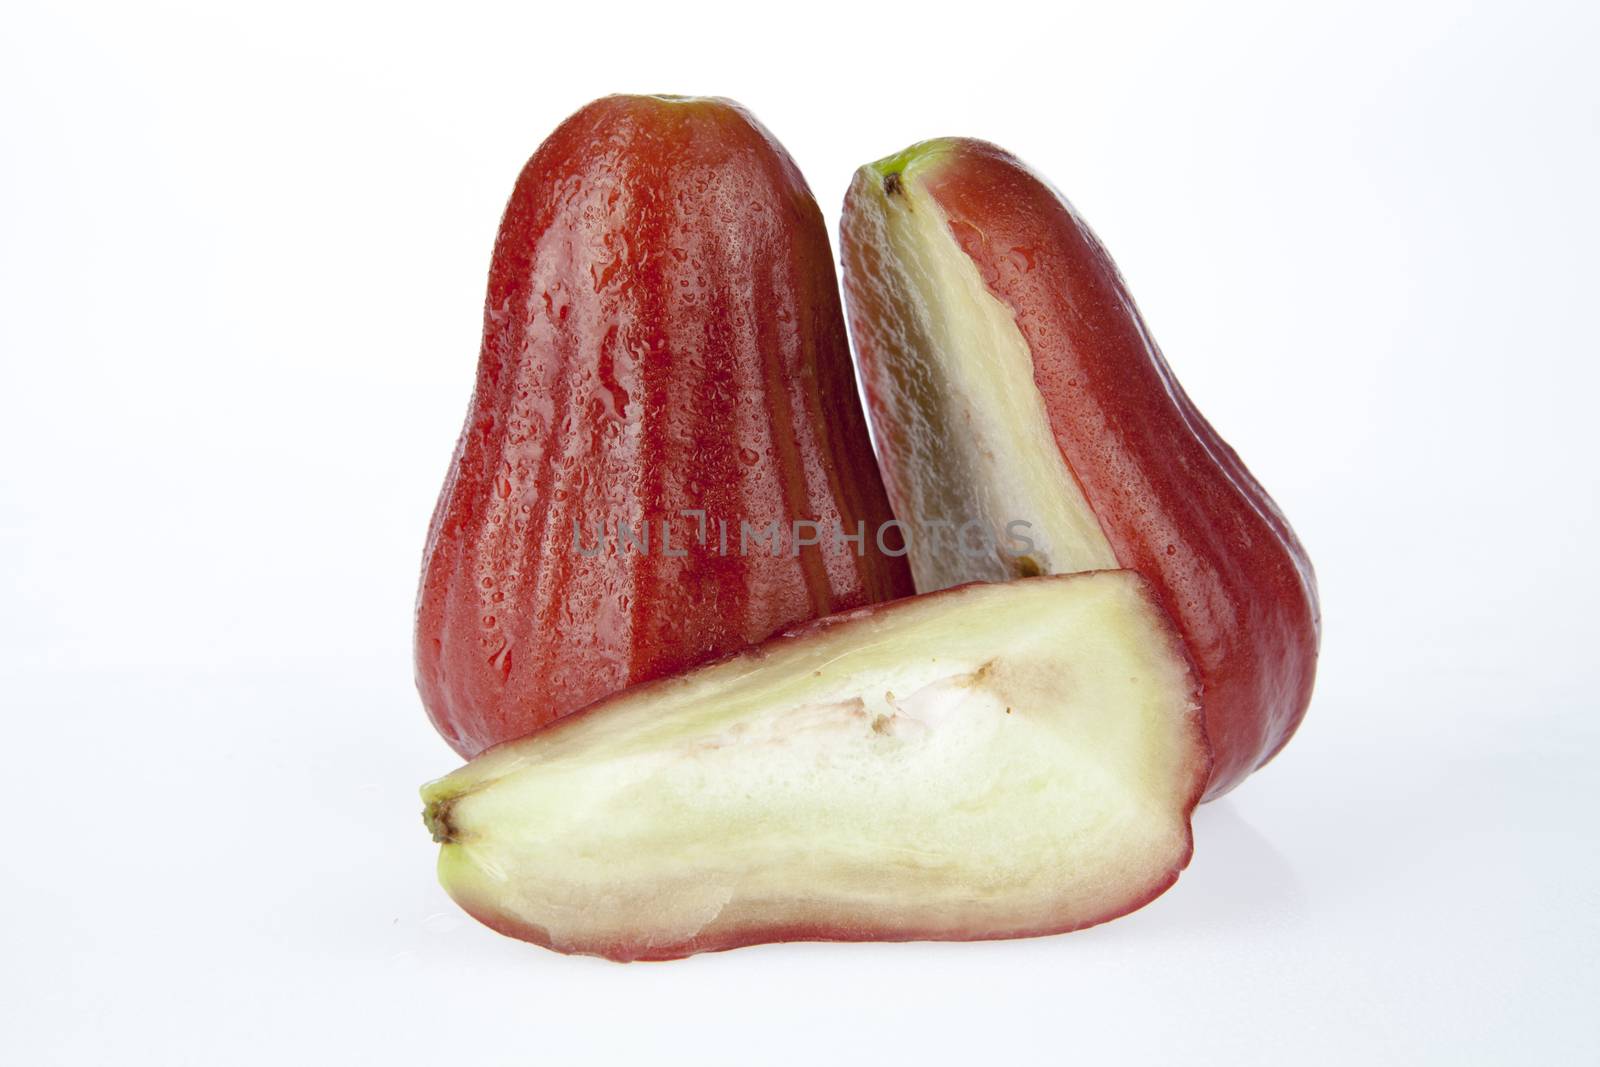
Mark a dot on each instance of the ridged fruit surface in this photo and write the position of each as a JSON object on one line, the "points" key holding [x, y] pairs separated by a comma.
{"points": [[662, 336], [1009, 376]]}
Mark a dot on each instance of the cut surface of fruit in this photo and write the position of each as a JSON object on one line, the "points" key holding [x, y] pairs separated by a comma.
{"points": [[1013, 386], [991, 761], [970, 440], [664, 366]]}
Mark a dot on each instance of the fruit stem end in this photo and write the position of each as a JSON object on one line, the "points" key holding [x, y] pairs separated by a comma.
{"points": [[436, 817]]}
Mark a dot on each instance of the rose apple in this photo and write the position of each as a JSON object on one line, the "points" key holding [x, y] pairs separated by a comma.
{"points": [[1027, 424], [990, 761], [664, 367]]}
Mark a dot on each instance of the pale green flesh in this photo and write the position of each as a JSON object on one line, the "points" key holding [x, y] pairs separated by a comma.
{"points": [[992, 761], [962, 431]]}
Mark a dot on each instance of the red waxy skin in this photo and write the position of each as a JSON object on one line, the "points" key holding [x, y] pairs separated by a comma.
{"points": [[1172, 498], [662, 332]]}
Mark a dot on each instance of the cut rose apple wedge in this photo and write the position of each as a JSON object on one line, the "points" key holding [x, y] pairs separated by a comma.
{"points": [[1026, 423], [986, 762]]}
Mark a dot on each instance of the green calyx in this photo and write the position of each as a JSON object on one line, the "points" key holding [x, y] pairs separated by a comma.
{"points": [[893, 171], [436, 817]]}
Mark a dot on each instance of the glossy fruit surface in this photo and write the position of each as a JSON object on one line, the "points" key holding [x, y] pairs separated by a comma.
{"points": [[1009, 377], [664, 361], [984, 762]]}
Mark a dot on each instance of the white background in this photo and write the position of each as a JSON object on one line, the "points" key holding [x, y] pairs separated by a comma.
{"points": [[242, 259]]}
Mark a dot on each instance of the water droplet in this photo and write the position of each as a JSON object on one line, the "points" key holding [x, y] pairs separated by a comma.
{"points": [[501, 659]]}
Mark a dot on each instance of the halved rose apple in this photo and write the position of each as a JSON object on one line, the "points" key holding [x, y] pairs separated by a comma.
{"points": [[987, 762], [1026, 423]]}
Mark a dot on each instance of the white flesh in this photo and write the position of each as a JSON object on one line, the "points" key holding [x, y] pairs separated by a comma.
{"points": [[992, 761], [961, 427]]}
